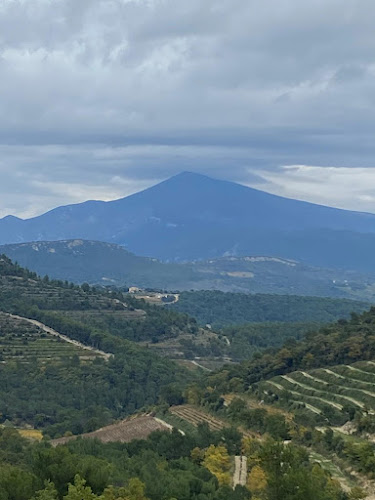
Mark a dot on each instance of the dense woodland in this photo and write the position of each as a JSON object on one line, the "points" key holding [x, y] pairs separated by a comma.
{"points": [[221, 309], [166, 466]]}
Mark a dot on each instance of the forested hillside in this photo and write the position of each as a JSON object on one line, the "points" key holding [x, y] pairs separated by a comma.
{"points": [[67, 393], [249, 339], [221, 309], [345, 341]]}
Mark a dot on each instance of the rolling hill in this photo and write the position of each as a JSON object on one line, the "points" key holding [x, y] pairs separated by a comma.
{"points": [[191, 216], [108, 264]]}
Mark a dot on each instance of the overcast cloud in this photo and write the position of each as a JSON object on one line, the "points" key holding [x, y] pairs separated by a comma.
{"points": [[101, 98]]}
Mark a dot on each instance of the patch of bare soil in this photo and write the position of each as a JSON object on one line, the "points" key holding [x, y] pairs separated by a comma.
{"points": [[139, 427]]}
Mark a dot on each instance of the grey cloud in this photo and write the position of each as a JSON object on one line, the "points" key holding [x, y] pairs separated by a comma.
{"points": [[93, 90]]}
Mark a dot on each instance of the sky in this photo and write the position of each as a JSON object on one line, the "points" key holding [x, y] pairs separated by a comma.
{"points": [[102, 98]]}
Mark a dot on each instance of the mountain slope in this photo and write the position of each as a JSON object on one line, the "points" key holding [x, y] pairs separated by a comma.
{"points": [[108, 264], [191, 216]]}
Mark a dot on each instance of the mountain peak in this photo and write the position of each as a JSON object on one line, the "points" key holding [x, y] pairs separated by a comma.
{"points": [[188, 175], [10, 218], [192, 216]]}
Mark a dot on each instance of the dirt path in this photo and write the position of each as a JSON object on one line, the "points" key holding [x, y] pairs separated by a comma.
{"points": [[278, 386], [240, 471], [53, 332], [226, 340], [330, 372], [353, 369], [168, 426], [315, 379], [201, 366], [310, 407]]}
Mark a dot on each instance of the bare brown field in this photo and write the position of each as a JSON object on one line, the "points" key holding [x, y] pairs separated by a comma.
{"points": [[139, 427]]}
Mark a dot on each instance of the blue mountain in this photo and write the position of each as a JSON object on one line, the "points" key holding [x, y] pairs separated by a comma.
{"points": [[191, 216]]}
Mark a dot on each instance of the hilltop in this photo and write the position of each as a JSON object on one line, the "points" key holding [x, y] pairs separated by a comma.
{"points": [[191, 216]]}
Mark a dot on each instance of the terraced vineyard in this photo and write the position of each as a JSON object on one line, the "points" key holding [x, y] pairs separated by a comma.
{"points": [[99, 317], [330, 393], [50, 295], [24, 342], [196, 416]]}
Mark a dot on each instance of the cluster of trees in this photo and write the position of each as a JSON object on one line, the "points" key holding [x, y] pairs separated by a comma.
{"points": [[169, 466], [358, 453], [250, 338], [259, 420], [221, 309], [209, 347], [8, 268], [241, 342], [279, 471]]}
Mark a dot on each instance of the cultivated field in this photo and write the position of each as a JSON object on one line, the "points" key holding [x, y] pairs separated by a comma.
{"points": [[99, 317], [23, 341], [52, 296], [327, 391], [196, 416], [139, 427]]}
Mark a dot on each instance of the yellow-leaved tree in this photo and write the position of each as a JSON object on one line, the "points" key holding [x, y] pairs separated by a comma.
{"points": [[257, 482], [217, 461], [135, 490]]}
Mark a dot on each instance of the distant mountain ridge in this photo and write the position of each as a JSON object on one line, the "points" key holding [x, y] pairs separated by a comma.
{"points": [[191, 216], [108, 264]]}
